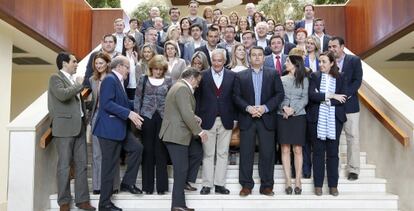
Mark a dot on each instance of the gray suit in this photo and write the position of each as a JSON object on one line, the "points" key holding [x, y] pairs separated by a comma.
{"points": [[178, 126], [68, 131]]}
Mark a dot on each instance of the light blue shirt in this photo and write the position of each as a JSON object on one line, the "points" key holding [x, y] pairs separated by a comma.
{"points": [[217, 77], [257, 78]]}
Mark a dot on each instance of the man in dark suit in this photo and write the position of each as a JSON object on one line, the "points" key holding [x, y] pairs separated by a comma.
{"points": [[307, 22], [276, 60], [216, 110], [67, 111], [178, 126], [319, 32], [151, 36], [111, 128], [280, 30], [213, 38], [258, 91], [351, 67], [153, 13]]}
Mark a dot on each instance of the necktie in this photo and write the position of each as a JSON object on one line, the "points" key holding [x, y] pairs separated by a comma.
{"points": [[278, 65], [159, 37]]}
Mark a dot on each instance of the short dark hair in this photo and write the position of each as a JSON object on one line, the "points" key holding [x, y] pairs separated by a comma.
{"points": [[280, 24], [109, 35], [132, 20], [62, 57], [218, 9], [277, 37], [308, 5], [257, 48], [196, 25], [190, 71], [231, 26], [173, 8], [212, 29], [340, 40]]}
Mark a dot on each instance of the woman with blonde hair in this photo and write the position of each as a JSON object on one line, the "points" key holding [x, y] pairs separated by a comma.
{"points": [[173, 34], [312, 48], [150, 103], [238, 60], [175, 64], [147, 52], [208, 15], [199, 61]]}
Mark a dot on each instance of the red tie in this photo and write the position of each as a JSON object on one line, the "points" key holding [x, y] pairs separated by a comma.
{"points": [[278, 65]]}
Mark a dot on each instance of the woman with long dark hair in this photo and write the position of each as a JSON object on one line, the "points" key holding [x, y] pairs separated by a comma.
{"points": [[130, 51], [326, 116], [291, 119]]}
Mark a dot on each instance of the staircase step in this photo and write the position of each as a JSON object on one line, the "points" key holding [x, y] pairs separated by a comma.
{"points": [[244, 209], [233, 202]]}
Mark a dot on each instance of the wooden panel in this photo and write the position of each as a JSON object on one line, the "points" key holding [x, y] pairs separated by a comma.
{"points": [[369, 23], [334, 17], [103, 23], [399, 134], [60, 25]]}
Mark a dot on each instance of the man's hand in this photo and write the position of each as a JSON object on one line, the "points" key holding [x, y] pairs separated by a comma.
{"points": [[136, 119], [252, 110], [203, 136], [339, 97], [260, 109]]}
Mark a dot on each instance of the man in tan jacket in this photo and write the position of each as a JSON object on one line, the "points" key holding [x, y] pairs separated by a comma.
{"points": [[178, 126]]}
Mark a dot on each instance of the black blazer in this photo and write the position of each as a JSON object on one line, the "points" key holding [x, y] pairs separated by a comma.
{"points": [[208, 105], [272, 95], [352, 69], [205, 51], [315, 98]]}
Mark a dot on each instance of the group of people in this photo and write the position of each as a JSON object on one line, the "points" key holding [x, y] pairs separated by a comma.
{"points": [[176, 90]]}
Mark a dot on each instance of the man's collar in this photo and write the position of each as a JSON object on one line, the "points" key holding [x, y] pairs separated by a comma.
{"points": [[189, 85]]}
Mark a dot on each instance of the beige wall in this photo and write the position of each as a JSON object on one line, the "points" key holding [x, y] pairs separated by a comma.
{"points": [[26, 87], [402, 78]]}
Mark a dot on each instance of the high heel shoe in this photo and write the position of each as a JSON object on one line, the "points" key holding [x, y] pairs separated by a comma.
{"points": [[298, 190], [289, 190]]}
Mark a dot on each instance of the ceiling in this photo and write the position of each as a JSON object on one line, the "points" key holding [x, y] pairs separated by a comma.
{"points": [[399, 54]]}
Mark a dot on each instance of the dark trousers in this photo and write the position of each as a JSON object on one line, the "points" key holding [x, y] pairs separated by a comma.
{"points": [[179, 158], [130, 93], [328, 149], [155, 155], [72, 149], [195, 157], [307, 154], [111, 150], [266, 155]]}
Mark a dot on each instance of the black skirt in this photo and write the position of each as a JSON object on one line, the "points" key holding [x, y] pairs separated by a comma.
{"points": [[291, 130]]}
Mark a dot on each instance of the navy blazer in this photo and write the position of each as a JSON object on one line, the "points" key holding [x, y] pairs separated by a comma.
{"points": [[205, 51], [307, 63], [315, 98], [208, 105], [272, 95], [301, 24], [114, 107], [352, 69]]}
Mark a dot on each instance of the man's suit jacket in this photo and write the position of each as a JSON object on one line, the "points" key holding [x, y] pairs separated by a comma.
{"points": [[205, 51], [270, 62], [286, 49], [190, 49], [352, 69], [301, 24], [286, 37], [179, 123], [149, 23], [209, 105], [63, 104], [272, 95], [114, 108], [326, 39], [315, 98]]}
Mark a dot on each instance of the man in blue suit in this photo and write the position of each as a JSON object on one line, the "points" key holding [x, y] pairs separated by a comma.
{"points": [[307, 22], [214, 105], [351, 67], [258, 91], [111, 128], [276, 60]]}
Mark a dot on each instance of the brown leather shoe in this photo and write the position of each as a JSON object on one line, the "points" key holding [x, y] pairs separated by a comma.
{"points": [[64, 207], [267, 192], [182, 209], [85, 206], [318, 191], [189, 187], [245, 192], [333, 191]]}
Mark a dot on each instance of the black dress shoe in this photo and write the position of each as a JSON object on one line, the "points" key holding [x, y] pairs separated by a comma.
{"points": [[96, 192], [109, 207], [116, 191], [307, 176], [352, 176], [221, 190], [189, 187], [131, 188], [205, 190], [161, 192]]}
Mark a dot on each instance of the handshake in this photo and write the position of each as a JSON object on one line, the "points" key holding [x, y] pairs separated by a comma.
{"points": [[256, 111]]}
